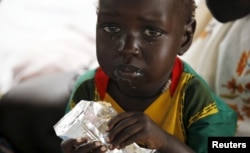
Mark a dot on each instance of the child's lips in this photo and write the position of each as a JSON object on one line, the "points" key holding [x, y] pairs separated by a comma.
{"points": [[128, 71]]}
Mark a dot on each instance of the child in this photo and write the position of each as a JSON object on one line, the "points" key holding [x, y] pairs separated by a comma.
{"points": [[162, 103]]}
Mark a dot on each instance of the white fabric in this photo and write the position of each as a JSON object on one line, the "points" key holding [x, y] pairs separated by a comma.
{"points": [[202, 55], [233, 72]]}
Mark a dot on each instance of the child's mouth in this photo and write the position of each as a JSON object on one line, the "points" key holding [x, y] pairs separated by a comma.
{"points": [[128, 72]]}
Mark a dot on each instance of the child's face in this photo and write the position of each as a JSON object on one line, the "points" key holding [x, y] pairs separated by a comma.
{"points": [[138, 40]]}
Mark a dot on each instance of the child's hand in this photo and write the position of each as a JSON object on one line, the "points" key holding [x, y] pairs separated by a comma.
{"points": [[129, 127], [81, 145]]}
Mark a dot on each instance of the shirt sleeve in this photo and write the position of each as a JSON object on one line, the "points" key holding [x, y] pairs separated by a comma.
{"points": [[206, 115], [82, 90]]}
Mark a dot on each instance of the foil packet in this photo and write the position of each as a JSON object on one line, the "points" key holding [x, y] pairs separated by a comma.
{"points": [[89, 119]]}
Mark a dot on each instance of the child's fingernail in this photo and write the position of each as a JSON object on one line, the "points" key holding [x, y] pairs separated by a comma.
{"points": [[103, 148], [107, 140], [98, 144], [79, 139], [111, 147], [107, 128]]}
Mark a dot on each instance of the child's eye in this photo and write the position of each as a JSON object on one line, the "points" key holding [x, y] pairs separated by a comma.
{"points": [[111, 29], [151, 32]]}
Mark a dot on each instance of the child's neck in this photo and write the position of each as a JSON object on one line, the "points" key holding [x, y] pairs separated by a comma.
{"points": [[130, 102]]}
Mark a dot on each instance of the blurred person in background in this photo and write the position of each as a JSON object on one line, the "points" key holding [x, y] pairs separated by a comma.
{"points": [[44, 37], [39, 38]]}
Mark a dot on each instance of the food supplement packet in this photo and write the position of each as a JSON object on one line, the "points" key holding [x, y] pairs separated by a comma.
{"points": [[89, 119]]}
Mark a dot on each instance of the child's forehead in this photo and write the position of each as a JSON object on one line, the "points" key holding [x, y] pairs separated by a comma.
{"points": [[142, 12], [182, 9], [168, 3], [169, 6]]}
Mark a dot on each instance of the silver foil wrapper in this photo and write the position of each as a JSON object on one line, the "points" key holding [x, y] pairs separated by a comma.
{"points": [[89, 119]]}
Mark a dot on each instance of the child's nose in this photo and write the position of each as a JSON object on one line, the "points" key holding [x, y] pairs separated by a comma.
{"points": [[129, 45]]}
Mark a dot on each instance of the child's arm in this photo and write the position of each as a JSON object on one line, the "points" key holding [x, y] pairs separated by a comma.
{"points": [[129, 127]]}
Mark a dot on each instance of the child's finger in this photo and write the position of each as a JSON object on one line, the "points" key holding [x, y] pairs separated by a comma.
{"points": [[90, 147], [124, 128], [117, 119], [69, 145]]}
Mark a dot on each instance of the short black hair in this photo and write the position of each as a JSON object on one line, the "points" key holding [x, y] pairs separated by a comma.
{"points": [[191, 7]]}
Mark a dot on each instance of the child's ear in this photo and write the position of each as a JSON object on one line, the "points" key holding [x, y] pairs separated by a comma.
{"points": [[187, 38]]}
